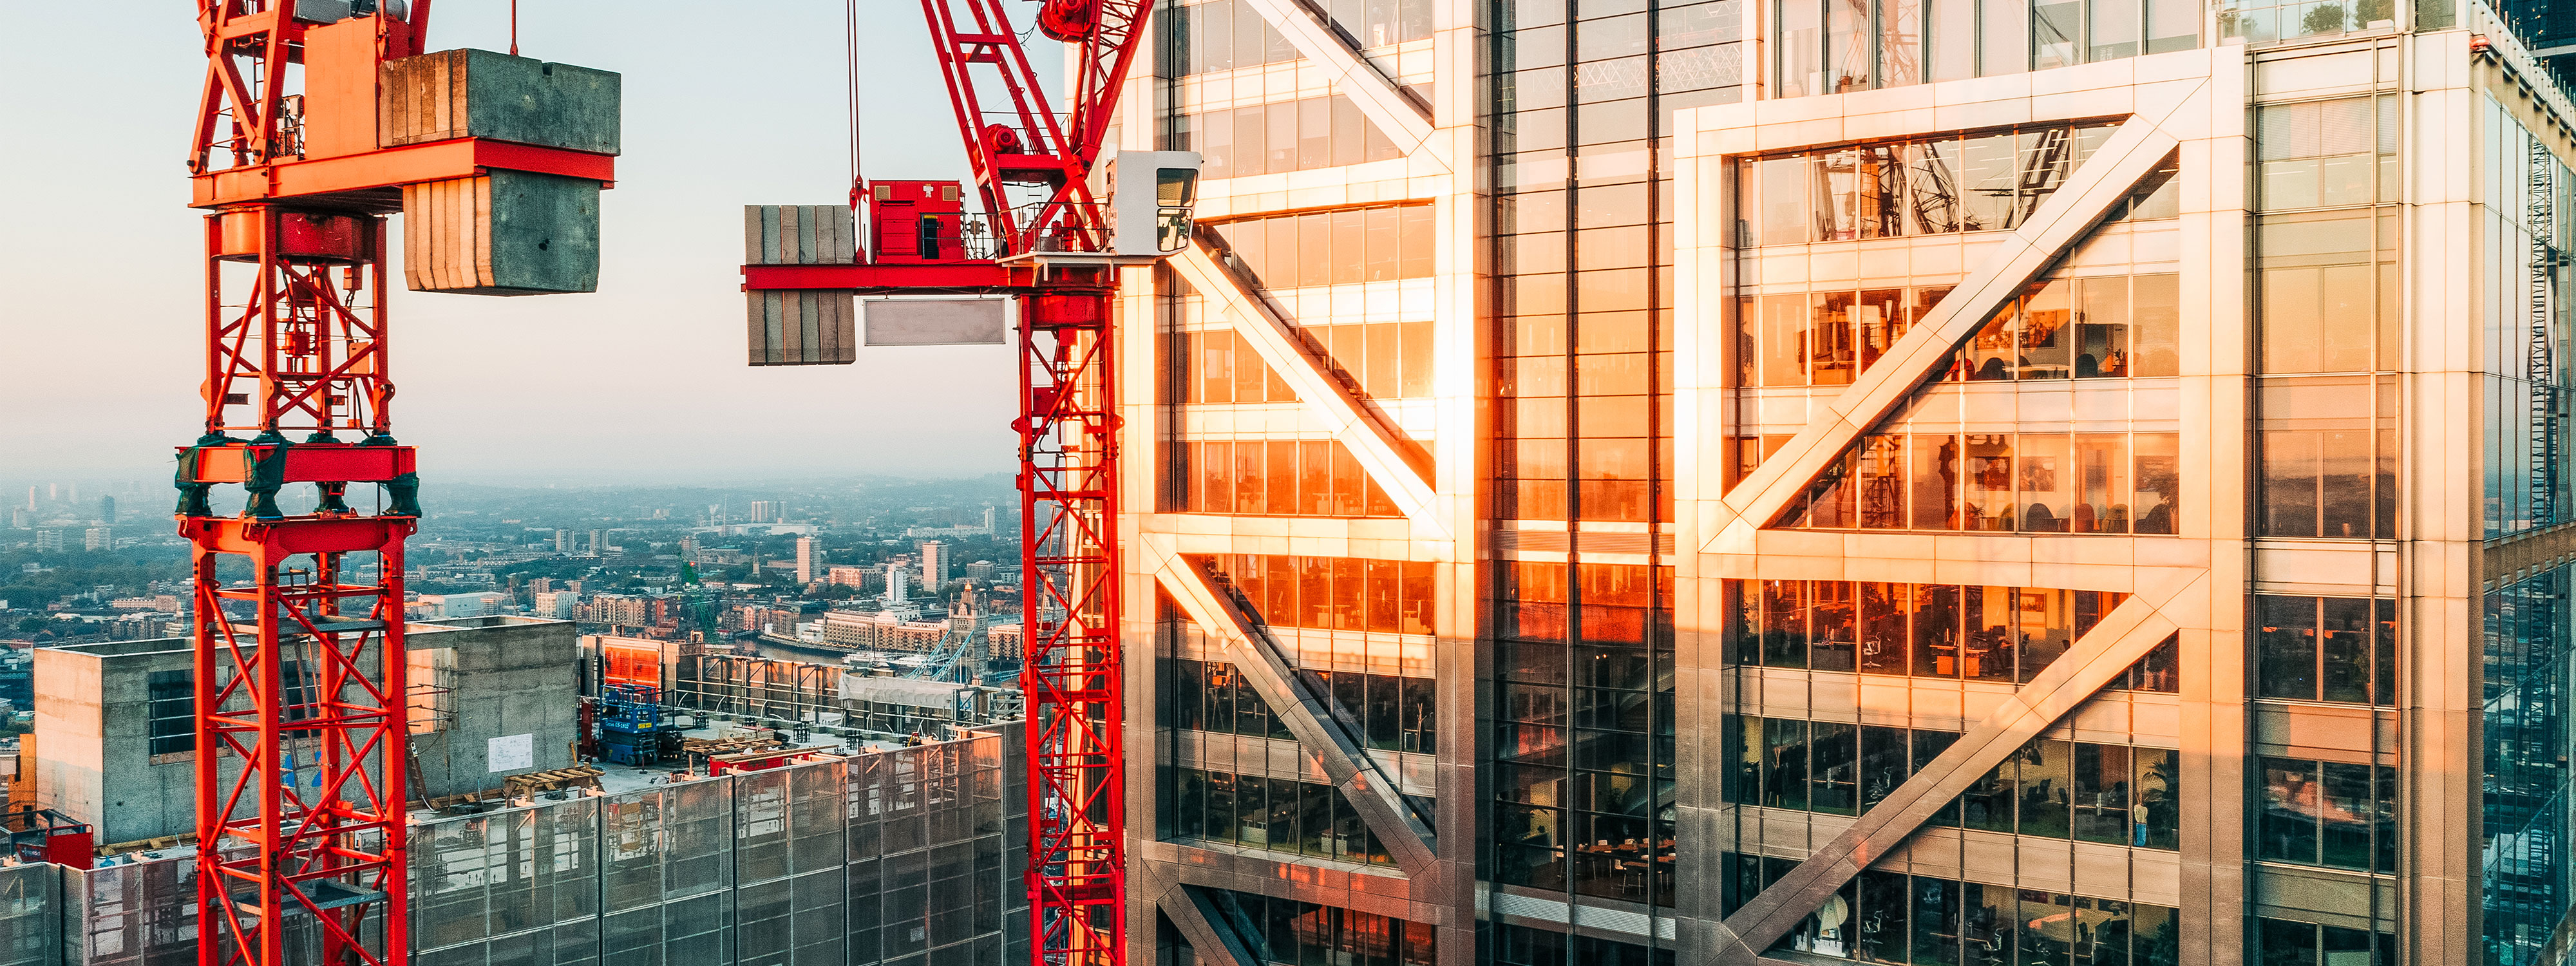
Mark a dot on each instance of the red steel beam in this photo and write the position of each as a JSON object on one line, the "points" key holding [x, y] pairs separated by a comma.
{"points": [[377, 172]]}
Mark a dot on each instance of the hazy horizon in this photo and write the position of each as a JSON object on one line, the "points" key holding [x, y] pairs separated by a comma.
{"points": [[641, 382]]}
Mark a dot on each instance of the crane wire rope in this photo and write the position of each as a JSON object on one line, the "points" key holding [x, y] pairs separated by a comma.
{"points": [[850, 64]]}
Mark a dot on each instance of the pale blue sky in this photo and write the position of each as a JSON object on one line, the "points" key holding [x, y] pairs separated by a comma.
{"points": [[725, 104]]}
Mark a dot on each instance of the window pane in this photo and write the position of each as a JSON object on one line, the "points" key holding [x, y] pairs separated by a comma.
{"points": [[2102, 332], [1989, 800], [2002, 40], [2343, 647], [1801, 44], [1992, 616], [1848, 44], [1831, 634], [2156, 813], [1784, 782], [1936, 631], [2159, 480], [2102, 794], [1950, 40], [1987, 927], [1784, 623], [1900, 42], [2045, 775], [2288, 645], [1935, 921], [1784, 194], [1989, 167], [1880, 933], [1935, 471], [2158, 302], [1990, 354], [1932, 168], [2102, 486], [1835, 768], [2054, 28], [2045, 483], [2290, 799], [2346, 815], [1784, 340], [2047, 628], [1883, 611], [1989, 490], [2114, 28]]}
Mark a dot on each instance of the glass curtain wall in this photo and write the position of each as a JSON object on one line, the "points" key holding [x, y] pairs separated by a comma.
{"points": [[1585, 91], [2529, 206], [2525, 873], [2325, 274]]}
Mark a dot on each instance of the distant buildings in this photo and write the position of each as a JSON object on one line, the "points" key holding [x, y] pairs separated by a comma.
{"points": [[98, 538], [768, 511], [433, 606], [563, 540], [107, 510], [49, 541], [805, 554], [556, 604], [934, 564], [855, 578]]}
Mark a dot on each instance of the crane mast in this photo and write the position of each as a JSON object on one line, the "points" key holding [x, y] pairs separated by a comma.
{"points": [[297, 628], [1044, 239]]}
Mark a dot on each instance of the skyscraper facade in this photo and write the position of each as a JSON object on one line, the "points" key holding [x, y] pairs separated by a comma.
{"points": [[934, 564], [1941, 482]]}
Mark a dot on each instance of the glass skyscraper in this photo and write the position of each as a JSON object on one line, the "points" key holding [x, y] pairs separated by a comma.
{"points": [[1935, 482]]}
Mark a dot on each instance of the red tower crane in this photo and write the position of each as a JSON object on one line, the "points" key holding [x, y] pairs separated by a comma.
{"points": [[299, 662], [1046, 240]]}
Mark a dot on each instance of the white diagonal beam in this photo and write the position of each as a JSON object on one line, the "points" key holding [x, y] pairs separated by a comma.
{"points": [[1188, 912], [1372, 792], [1395, 113], [1376, 445], [2060, 222], [2124, 636]]}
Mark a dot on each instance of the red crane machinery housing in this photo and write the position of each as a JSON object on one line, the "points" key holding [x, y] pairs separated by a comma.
{"points": [[1045, 239], [298, 157]]}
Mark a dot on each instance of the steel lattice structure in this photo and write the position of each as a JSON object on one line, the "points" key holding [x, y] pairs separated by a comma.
{"points": [[299, 660], [1031, 171]]}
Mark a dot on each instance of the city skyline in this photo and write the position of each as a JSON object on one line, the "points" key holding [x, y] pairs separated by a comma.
{"points": [[643, 380]]}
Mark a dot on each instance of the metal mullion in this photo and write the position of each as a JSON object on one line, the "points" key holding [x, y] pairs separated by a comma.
{"points": [[1573, 512]]}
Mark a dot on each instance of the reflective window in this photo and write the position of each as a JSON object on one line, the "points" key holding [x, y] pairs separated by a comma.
{"points": [[1889, 917], [1584, 733], [1527, 946], [2332, 814], [1278, 137], [1243, 810], [2325, 154], [1296, 933], [2111, 794], [1837, 46], [1330, 593], [2101, 483], [1341, 247], [2328, 456], [1219, 35], [1215, 366], [2259, 21], [1924, 630], [1212, 696], [1315, 477], [2285, 942], [2327, 649]]}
